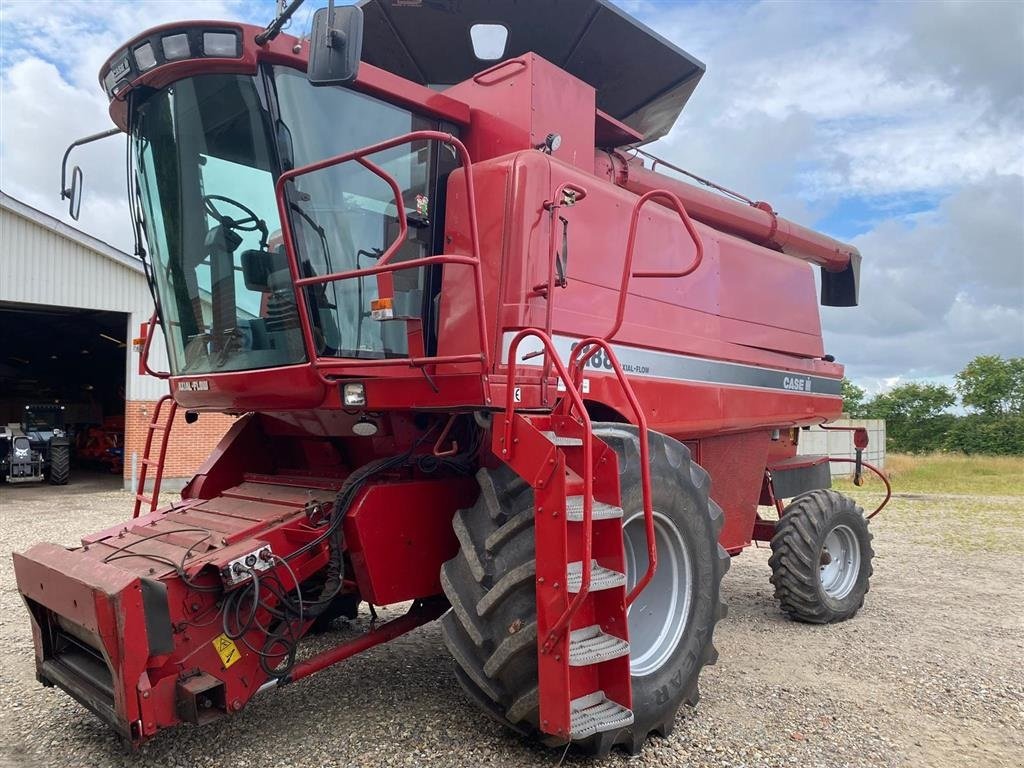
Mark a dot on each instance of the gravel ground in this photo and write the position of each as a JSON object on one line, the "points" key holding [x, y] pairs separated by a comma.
{"points": [[930, 673]]}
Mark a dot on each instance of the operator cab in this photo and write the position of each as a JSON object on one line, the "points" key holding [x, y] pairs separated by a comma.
{"points": [[208, 151]]}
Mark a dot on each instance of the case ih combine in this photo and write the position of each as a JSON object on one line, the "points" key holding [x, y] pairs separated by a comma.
{"points": [[485, 361]]}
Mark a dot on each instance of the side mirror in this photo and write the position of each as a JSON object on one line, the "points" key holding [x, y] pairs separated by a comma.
{"points": [[74, 194], [336, 45]]}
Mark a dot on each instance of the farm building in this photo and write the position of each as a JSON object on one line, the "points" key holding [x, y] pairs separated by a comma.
{"points": [[70, 308]]}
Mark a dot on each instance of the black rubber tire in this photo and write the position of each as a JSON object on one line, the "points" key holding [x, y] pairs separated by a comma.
{"points": [[491, 630], [60, 464], [797, 554]]}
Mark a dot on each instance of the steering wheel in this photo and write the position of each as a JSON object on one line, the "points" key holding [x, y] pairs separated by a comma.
{"points": [[249, 223]]}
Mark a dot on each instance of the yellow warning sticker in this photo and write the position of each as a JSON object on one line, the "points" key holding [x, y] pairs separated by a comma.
{"points": [[226, 649]]}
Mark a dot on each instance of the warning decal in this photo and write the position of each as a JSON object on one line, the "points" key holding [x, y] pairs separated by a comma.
{"points": [[226, 649]]}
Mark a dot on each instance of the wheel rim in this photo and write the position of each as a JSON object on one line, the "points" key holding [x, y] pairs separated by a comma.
{"points": [[658, 616], [840, 562]]}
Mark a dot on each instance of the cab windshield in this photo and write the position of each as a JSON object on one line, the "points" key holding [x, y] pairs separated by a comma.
{"points": [[207, 152]]}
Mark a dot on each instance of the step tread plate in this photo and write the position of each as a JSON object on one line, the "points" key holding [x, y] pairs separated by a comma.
{"points": [[601, 511], [590, 645], [596, 713], [600, 577], [562, 440]]}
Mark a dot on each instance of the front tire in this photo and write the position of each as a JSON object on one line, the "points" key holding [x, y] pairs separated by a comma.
{"points": [[821, 558], [491, 630], [60, 464]]}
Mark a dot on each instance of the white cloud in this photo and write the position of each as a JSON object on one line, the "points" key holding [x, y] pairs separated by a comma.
{"points": [[939, 288], [897, 98]]}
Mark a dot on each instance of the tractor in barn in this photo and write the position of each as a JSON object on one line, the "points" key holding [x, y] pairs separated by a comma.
{"points": [[37, 448], [489, 359]]}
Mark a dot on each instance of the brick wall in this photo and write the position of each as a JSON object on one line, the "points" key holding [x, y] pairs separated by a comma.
{"points": [[188, 446]]}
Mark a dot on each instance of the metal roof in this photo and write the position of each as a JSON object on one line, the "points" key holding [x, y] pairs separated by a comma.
{"points": [[57, 226], [640, 77]]}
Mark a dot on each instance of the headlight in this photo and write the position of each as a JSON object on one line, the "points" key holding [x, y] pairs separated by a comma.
{"points": [[354, 394]]}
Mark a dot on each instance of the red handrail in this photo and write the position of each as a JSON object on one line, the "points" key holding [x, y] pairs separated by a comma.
{"points": [[383, 265], [588, 468], [154, 320], [576, 367], [480, 78], [627, 267], [558, 200]]}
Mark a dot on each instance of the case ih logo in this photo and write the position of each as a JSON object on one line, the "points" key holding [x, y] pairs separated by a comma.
{"points": [[796, 383], [199, 385]]}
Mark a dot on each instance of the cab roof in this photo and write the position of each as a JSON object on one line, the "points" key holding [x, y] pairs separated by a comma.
{"points": [[640, 77]]}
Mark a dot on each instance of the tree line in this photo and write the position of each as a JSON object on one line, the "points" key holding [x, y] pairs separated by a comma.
{"points": [[918, 419]]}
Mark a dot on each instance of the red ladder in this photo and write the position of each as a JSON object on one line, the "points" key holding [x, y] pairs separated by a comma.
{"points": [[582, 631], [164, 427]]}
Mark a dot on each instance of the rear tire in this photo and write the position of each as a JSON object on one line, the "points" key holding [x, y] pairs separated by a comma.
{"points": [[491, 630], [60, 464], [821, 558]]}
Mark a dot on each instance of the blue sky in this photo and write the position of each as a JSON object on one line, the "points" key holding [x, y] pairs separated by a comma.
{"points": [[896, 126]]}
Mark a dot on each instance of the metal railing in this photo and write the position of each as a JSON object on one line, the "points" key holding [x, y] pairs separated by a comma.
{"points": [[588, 466], [384, 265], [573, 378], [627, 267], [152, 428], [577, 364], [154, 321]]}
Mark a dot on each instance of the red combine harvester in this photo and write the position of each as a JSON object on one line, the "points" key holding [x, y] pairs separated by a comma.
{"points": [[485, 361]]}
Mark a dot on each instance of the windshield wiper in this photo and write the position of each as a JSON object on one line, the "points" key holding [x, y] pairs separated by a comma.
{"points": [[324, 245]]}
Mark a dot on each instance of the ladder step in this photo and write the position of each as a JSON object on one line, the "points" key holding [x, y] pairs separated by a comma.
{"points": [[592, 646], [150, 462], [600, 577], [596, 713], [143, 499], [157, 427], [563, 440], [601, 511]]}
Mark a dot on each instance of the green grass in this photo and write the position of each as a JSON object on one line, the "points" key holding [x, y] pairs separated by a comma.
{"points": [[952, 502], [949, 473]]}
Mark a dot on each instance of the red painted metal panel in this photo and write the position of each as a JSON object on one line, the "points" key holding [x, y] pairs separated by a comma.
{"points": [[517, 103], [287, 495], [400, 534], [736, 464]]}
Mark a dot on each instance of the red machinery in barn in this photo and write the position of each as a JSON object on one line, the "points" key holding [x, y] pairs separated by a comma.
{"points": [[484, 362]]}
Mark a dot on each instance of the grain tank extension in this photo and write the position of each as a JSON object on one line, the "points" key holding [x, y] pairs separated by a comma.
{"points": [[486, 359]]}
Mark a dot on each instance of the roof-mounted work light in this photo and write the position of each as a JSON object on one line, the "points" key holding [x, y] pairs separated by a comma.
{"points": [[165, 47]]}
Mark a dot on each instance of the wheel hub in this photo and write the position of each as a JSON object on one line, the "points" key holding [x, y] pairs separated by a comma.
{"points": [[840, 562], [659, 615]]}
